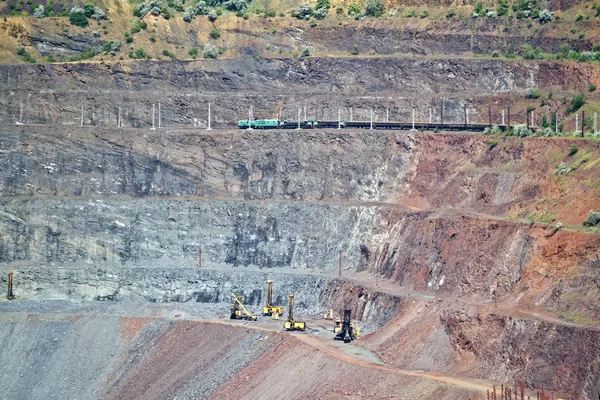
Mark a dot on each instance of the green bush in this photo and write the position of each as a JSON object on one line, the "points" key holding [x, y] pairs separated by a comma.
{"points": [[322, 4], [306, 53], [211, 52], [77, 17], [591, 88], [374, 8], [140, 53], [215, 33], [593, 219], [533, 94], [492, 143], [193, 52], [355, 50], [577, 102], [353, 9], [573, 149], [502, 8], [450, 13], [51, 59]]}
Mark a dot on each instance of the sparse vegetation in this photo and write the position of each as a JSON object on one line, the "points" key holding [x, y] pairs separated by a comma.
{"points": [[306, 53], [533, 94], [193, 52], [492, 143], [25, 56], [215, 33]]}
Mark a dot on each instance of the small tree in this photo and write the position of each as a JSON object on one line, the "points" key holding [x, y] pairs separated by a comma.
{"points": [[374, 8], [353, 9], [306, 52], [77, 17], [39, 12], [502, 8], [215, 33], [576, 103], [193, 52], [212, 16]]}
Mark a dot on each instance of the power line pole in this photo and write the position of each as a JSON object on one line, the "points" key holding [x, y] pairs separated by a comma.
{"points": [[159, 121], [153, 127], [371, 118], [119, 119], [209, 128], [81, 115]]}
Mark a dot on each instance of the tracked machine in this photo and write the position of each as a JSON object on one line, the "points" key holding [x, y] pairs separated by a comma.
{"points": [[291, 324], [238, 311], [270, 309], [344, 329]]}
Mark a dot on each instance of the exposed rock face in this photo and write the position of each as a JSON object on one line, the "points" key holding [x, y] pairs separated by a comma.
{"points": [[66, 43], [273, 87]]}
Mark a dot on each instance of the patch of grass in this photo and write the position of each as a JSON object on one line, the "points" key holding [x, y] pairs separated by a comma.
{"points": [[492, 143], [573, 149]]}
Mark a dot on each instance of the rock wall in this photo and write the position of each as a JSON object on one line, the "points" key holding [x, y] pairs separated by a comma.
{"points": [[273, 87]]}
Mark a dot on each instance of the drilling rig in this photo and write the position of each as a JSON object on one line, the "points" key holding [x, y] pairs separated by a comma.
{"points": [[290, 324], [269, 308], [345, 330], [9, 295], [238, 311]]}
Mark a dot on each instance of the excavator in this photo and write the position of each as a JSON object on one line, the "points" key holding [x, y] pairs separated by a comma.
{"points": [[270, 309], [345, 330], [238, 311], [290, 324]]}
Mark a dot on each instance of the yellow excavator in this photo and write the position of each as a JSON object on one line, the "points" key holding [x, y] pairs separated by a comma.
{"points": [[270, 309], [290, 324], [344, 330], [238, 311]]}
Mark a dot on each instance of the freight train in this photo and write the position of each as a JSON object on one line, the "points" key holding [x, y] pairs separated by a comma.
{"points": [[429, 126]]}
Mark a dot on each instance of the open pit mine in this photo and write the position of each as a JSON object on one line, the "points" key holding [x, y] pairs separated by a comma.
{"points": [[397, 226]]}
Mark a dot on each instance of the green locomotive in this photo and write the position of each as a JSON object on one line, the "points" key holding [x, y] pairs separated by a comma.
{"points": [[260, 124]]}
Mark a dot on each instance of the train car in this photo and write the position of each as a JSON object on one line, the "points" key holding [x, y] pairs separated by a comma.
{"points": [[260, 124]]}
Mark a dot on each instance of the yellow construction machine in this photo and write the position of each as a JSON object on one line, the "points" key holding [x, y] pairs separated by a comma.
{"points": [[238, 311], [270, 309], [344, 329], [10, 295], [290, 324]]}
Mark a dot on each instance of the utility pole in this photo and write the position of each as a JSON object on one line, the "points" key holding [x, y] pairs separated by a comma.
{"points": [[387, 115], [81, 115], [340, 266], [502, 117], [351, 115], [430, 116], [153, 127], [159, 122], [582, 123], [532, 120], [339, 118], [413, 119], [556, 123], [119, 119], [200, 258], [371, 118], [20, 120], [208, 129], [10, 295], [298, 118], [509, 116], [249, 118], [595, 124], [576, 124]]}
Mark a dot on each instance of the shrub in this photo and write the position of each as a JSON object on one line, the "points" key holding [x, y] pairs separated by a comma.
{"points": [[212, 16], [189, 14], [26, 56], [502, 7], [77, 17], [450, 13], [166, 53], [355, 50], [39, 12], [193, 52], [576, 103], [321, 13], [322, 4], [51, 59], [211, 52], [580, 16], [478, 8], [533, 94], [140, 53], [546, 16], [593, 219], [573, 149], [494, 130], [521, 130], [215, 33], [353, 9], [562, 169], [591, 88], [374, 8], [306, 53], [492, 143], [303, 11], [129, 40], [152, 37], [112, 46]]}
